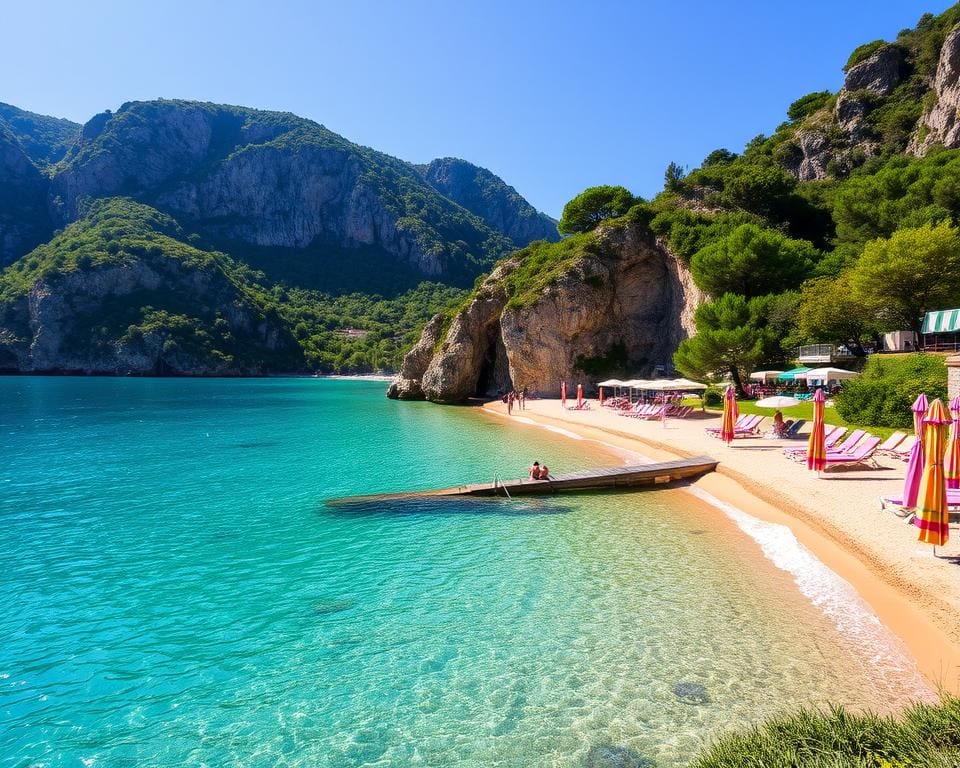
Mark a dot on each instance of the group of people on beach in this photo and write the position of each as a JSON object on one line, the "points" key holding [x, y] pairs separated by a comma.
{"points": [[539, 471], [515, 398]]}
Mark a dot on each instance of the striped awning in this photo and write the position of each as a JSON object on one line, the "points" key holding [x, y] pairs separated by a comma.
{"points": [[942, 321]]}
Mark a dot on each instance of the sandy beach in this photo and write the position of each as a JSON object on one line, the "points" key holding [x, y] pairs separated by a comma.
{"points": [[837, 517]]}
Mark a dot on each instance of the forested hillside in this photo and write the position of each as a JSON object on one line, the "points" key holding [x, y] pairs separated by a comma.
{"points": [[349, 249]]}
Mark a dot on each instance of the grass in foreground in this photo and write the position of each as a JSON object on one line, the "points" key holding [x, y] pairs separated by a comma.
{"points": [[925, 735]]}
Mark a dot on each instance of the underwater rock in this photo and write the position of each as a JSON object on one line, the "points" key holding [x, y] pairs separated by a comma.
{"points": [[613, 756], [325, 607], [691, 693]]}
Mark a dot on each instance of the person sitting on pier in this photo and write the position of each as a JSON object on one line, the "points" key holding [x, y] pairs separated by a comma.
{"points": [[535, 471], [544, 472]]}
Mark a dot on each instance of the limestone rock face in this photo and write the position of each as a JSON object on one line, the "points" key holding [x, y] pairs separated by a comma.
{"points": [[880, 73], [851, 112], [940, 124], [487, 196], [245, 177], [817, 152], [23, 212], [39, 332], [629, 303], [406, 386]]}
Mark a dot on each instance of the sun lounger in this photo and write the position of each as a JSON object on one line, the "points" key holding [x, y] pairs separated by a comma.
{"points": [[861, 456], [749, 427], [736, 425], [831, 437], [887, 446], [852, 439], [903, 450], [895, 503]]}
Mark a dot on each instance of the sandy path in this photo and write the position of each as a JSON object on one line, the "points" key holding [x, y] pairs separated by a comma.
{"points": [[837, 517]]}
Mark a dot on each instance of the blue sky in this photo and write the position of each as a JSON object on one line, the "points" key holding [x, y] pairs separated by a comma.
{"points": [[553, 97]]}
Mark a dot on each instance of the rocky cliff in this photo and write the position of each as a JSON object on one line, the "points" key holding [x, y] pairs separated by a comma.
{"points": [[487, 196], [615, 302], [247, 178], [24, 222], [940, 124], [117, 293]]}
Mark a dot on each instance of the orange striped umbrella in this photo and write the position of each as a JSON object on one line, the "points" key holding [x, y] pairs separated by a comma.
{"points": [[952, 462], [932, 518], [729, 415], [816, 447], [563, 393], [579, 395]]}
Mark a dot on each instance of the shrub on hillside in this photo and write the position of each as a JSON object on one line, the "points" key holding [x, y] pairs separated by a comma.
{"points": [[882, 396]]}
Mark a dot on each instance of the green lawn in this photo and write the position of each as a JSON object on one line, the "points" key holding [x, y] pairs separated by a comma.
{"points": [[802, 411]]}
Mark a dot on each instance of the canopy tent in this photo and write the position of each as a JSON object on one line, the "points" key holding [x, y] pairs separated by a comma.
{"points": [[791, 374], [672, 385], [826, 374], [612, 383], [764, 375], [942, 321]]}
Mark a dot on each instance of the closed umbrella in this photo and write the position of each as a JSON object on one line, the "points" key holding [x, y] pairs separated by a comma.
{"points": [[932, 517], [911, 481], [951, 463], [816, 448], [563, 394], [579, 395], [601, 395], [729, 415]]}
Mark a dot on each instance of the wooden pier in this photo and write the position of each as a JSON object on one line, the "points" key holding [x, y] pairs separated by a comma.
{"points": [[606, 478]]}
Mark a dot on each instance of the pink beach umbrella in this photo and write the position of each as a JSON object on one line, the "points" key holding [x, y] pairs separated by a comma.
{"points": [[911, 482], [579, 395], [951, 462], [563, 394]]}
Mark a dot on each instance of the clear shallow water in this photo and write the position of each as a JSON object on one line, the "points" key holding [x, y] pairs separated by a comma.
{"points": [[176, 593]]}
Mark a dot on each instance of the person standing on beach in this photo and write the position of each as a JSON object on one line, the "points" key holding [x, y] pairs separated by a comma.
{"points": [[510, 403]]}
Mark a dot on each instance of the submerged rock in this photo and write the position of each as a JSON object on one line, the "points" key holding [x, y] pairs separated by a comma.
{"points": [[614, 756], [691, 693]]}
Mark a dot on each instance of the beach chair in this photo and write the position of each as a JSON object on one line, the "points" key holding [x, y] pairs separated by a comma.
{"points": [[750, 426], [887, 446], [832, 435], [657, 412], [902, 451], [740, 419], [794, 429], [862, 455], [852, 439]]}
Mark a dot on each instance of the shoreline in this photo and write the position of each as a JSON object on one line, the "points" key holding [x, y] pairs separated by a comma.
{"points": [[914, 610]]}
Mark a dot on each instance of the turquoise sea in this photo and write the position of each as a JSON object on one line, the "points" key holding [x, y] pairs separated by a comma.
{"points": [[175, 592]]}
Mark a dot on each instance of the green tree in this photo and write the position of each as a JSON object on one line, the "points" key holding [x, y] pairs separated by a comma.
{"points": [[753, 261], [593, 206], [718, 157], [911, 272], [673, 177], [830, 311], [727, 340]]}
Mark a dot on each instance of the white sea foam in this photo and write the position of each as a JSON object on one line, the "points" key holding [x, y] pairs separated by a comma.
{"points": [[834, 596]]}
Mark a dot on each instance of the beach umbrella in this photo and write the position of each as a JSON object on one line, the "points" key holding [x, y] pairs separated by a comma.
{"points": [[951, 463], [932, 517], [816, 449], [911, 480], [729, 415], [579, 395], [779, 401], [563, 394]]}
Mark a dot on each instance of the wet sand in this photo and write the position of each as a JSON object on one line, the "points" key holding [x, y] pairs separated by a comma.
{"points": [[836, 516]]}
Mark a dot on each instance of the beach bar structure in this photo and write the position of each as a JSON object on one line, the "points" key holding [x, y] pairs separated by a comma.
{"points": [[941, 330]]}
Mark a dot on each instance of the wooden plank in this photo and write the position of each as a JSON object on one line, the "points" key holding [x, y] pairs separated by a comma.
{"points": [[569, 482]]}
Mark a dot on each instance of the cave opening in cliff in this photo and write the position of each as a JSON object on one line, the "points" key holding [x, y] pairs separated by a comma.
{"points": [[494, 376]]}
